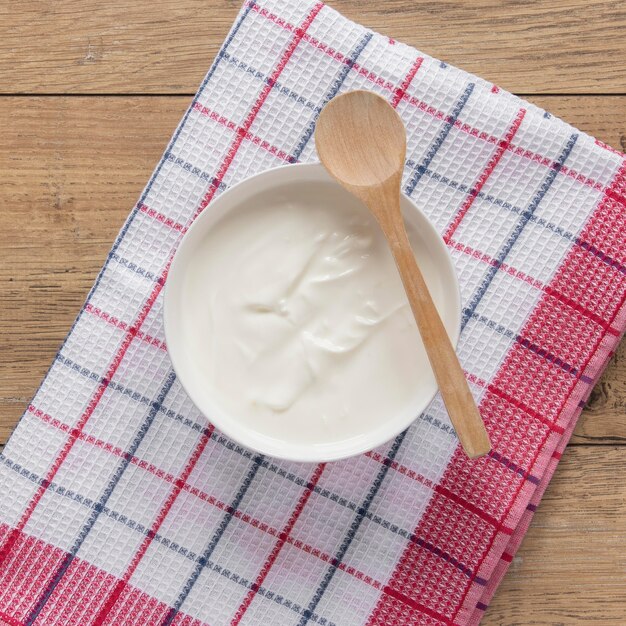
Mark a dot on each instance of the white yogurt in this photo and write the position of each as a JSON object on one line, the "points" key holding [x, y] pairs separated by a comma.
{"points": [[296, 320]]}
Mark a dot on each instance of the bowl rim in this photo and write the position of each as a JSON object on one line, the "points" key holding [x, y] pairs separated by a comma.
{"points": [[227, 424]]}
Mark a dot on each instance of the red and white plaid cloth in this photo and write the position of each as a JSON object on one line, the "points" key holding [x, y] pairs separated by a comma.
{"points": [[122, 505]]}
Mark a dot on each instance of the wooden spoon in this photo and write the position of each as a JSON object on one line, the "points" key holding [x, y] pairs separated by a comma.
{"points": [[361, 141]]}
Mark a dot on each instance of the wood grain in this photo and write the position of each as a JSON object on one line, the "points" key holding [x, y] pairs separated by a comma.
{"points": [[88, 46], [571, 566], [604, 418], [70, 171]]}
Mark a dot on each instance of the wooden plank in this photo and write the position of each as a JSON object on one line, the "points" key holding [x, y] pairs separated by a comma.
{"points": [[70, 170], [87, 46], [604, 418], [571, 566]]}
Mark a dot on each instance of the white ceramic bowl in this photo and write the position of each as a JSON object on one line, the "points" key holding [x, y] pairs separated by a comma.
{"points": [[389, 425]]}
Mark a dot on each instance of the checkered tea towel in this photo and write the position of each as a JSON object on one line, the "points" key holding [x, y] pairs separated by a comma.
{"points": [[122, 505]]}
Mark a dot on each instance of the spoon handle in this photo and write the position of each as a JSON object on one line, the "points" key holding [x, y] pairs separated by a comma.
{"points": [[450, 377]]}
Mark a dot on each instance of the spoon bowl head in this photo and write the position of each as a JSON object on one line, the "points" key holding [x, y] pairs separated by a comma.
{"points": [[360, 139]]}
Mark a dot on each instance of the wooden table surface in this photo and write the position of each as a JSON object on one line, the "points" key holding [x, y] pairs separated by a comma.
{"points": [[90, 93]]}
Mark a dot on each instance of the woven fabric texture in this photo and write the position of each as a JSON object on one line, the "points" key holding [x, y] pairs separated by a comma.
{"points": [[122, 505]]}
